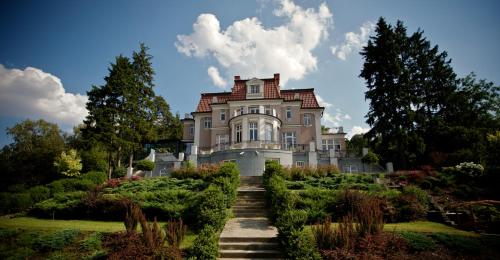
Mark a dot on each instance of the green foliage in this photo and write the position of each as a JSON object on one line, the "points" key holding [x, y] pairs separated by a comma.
{"points": [[94, 159], [71, 184], [458, 244], [419, 242], [212, 210], [370, 158], [421, 195], [14, 202], [69, 164], [61, 205], [300, 245], [92, 242], [145, 165], [55, 241], [419, 111], [119, 172], [96, 177], [29, 159], [39, 193], [206, 245]]}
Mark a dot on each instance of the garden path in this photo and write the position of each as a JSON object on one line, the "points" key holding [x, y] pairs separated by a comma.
{"points": [[249, 235]]}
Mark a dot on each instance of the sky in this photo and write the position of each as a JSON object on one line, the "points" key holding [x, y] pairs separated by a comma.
{"points": [[52, 52]]}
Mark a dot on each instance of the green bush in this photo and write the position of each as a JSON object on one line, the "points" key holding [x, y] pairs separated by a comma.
{"points": [[212, 210], [92, 243], [145, 165], [39, 193], [55, 241], [14, 202], [420, 194], [96, 177], [119, 172], [206, 245], [62, 205], [70, 184], [418, 242], [300, 245]]}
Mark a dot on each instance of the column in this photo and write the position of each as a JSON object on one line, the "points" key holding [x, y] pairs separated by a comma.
{"points": [[244, 132]]}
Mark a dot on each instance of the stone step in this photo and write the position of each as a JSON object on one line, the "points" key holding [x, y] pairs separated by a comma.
{"points": [[252, 192], [250, 199], [249, 207], [249, 239], [250, 253], [250, 214], [249, 245]]}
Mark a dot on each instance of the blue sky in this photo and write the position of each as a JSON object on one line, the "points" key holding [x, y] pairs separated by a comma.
{"points": [[68, 46]]}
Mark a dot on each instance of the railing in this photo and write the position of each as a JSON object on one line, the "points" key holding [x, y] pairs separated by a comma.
{"points": [[261, 144], [337, 153]]}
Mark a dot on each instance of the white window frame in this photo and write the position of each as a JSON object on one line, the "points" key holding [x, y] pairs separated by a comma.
{"points": [[191, 130], [300, 164], [238, 133], [207, 122], [268, 110], [241, 110], [254, 89], [328, 144], [288, 113], [253, 131], [307, 120], [289, 139], [268, 132], [223, 115], [253, 110]]}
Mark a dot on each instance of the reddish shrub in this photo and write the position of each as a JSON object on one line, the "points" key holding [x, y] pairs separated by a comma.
{"points": [[113, 183]]}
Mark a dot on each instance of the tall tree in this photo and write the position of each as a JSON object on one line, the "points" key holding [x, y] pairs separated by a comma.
{"points": [[419, 111], [29, 159], [125, 112]]}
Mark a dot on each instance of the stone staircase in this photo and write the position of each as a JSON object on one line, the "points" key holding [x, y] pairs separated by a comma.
{"points": [[249, 235]]}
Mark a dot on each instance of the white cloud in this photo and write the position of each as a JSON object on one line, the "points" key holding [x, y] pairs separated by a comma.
{"points": [[357, 130], [247, 48], [33, 93], [217, 80], [332, 116], [353, 41]]}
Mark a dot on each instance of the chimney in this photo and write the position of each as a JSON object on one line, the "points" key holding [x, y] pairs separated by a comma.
{"points": [[237, 77]]}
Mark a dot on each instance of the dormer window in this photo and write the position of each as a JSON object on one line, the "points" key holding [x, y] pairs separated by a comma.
{"points": [[254, 89]]}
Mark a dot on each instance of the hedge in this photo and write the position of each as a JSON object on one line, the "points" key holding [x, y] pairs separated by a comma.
{"points": [[289, 221]]}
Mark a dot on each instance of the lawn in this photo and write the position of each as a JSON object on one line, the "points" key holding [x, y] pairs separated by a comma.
{"points": [[421, 227], [27, 223], [46, 224]]}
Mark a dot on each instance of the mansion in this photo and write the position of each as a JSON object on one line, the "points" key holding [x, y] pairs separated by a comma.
{"points": [[259, 121]]}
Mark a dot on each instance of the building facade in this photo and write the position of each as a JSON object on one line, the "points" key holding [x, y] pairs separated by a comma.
{"points": [[259, 121]]}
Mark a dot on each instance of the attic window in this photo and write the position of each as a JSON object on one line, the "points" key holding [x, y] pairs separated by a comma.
{"points": [[296, 96], [214, 99], [254, 89]]}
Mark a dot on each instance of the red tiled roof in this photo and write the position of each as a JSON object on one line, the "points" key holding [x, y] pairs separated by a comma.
{"points": [[306, 95], [271, 91]]}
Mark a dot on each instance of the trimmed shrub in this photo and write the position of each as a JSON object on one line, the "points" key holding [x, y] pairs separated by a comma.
{"points": [[55, 241], [212, 210], [70, 184], [95, 177], [62, 205], [145, 165], [119, 172], [206, 244], [39, 193], [300, 245]]}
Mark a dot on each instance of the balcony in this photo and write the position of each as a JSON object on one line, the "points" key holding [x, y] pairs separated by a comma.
{"points": [[269, 145]]}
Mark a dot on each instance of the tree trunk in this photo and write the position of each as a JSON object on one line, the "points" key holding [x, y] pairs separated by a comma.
{"points": [[130, 159], [119, 157], [110, 166]]}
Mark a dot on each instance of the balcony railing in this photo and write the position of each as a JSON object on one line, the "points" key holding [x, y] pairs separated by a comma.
{"points": [[261, 144]]}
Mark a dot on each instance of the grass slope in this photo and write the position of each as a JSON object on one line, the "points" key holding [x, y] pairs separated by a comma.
{"points": [[421, 227]]}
